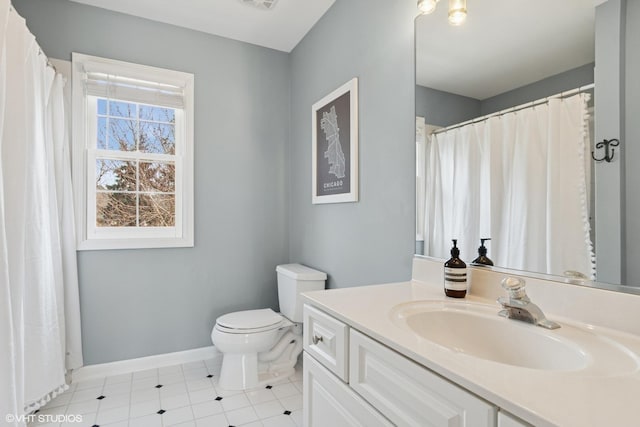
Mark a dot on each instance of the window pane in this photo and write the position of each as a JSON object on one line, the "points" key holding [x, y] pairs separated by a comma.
{"points": [[123, 109], [115, 175], [115, 210], [102, 133], [102, 106], [157, 114], [157, 210], [122, 134], [157, 138], [157, 177]]}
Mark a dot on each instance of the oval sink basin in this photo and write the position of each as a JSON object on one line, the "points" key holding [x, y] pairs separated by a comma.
{"points": [[477, 330]]}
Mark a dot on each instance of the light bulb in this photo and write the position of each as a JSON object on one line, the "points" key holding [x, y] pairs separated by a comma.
{"points": [[457, 11], [427, 6]]}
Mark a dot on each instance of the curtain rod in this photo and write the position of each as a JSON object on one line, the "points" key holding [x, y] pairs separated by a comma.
{"points": [[517, 108]]}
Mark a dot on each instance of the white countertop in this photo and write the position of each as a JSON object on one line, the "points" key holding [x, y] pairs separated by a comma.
{"points": [[543, 398]]}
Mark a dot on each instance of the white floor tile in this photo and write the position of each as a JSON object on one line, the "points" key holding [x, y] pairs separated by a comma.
{"points": [[173, 390], [176, 416], [213, 421], [144, 408], [116, 388], [235, 402], [296, 416], [268, 409], [206, 409], [117, 379], [153, 420], [241, 416], [86, 394], [112, 415], [173, 378], [199, 396], [149, 373], [260, 396], [173, 402], [114, 401], [199, 384], [279, 421], [144, 383], [83, 385], [187, 396], [85, 407], [285, 390], [292, 403], [138, 396], [124, 423]]}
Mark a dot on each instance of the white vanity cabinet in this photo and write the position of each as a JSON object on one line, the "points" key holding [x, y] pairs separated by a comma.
{"points": [[376, 386]]}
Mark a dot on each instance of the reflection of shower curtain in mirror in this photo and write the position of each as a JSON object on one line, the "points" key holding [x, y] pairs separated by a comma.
{"points": [[520, 178]]}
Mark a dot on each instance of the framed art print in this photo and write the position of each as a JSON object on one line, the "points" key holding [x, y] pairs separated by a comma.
{"points": [[335, 146]]}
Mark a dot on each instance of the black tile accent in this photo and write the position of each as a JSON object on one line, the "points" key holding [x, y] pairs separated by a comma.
{"points": [[95, 425], [218, 398], [159, 386], [161, 411], [287, 412], [269, 387], [100, 397], [209, 376]]}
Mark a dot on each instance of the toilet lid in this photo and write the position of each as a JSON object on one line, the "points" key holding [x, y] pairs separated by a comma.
{"points": [[250, 319]]}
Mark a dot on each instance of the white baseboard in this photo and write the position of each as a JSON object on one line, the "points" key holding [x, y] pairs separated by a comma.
{"points": [[102, 370]]}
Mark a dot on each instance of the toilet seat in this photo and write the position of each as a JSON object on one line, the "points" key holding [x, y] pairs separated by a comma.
{"points": [[249, 321]]}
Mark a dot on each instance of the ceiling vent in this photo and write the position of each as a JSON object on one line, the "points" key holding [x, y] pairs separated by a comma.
{"points": [[261, 4]]}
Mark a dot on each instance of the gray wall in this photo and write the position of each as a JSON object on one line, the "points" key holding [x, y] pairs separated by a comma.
{"points": [[142, 302], [443, 108], [631, 142], [570, 79], [370, 241]]}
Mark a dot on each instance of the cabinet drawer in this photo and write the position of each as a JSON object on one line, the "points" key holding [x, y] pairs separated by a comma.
{"points": [[330, 402], [326, 339], [507, 420], [409, 394]]}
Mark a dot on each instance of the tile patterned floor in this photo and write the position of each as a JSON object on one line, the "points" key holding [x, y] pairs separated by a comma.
{"points": [[181, 395]]}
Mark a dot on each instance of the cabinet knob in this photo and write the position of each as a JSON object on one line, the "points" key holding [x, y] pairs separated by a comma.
{"points": [[316, 339]]}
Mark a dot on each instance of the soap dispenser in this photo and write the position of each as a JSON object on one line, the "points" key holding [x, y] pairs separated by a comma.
{"points": [[482, 254], [455, 274]]}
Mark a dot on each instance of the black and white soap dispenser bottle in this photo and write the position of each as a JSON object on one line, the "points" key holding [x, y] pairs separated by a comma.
{"points": [[455, 274], [482, 254]]}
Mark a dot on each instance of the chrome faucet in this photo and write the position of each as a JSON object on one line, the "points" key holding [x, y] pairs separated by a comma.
{"points": [[518, 306]]}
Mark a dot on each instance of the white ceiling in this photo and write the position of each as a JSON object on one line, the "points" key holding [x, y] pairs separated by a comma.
{"points": [[505, 44], [280, 28]]}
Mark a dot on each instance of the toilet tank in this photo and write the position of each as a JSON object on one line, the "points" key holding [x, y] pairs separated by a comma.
{"points": [[293, 279]]}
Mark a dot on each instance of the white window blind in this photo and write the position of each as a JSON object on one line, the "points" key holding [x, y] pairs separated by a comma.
{"points": [[107, 81]]}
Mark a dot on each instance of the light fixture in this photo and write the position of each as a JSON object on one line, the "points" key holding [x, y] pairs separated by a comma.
{"points": [[261, 4], [457, 11], [427, 6]]}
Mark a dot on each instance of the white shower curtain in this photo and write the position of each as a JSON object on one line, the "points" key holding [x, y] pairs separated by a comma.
{"points": [[519, 178], [39, 310]]}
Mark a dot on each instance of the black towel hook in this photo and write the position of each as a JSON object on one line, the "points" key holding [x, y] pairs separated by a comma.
{"points": [[606, 143]]}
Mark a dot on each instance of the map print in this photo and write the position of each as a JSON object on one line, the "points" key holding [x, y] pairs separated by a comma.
{"points": [[334, 153]]}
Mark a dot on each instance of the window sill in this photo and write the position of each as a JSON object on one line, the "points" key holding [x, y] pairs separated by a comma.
{"points": [[142, 243]]}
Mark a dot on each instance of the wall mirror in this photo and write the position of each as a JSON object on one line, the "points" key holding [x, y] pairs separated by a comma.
{"points": [[509, 106]]}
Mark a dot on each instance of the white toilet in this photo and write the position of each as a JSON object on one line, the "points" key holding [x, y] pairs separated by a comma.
{"points": [[259, 346]]}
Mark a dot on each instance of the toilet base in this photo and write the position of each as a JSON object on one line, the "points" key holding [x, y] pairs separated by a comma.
{"points": [[251, 370]]}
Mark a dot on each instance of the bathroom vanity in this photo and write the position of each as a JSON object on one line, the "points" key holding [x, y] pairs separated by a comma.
{"points": [[403, 354]]}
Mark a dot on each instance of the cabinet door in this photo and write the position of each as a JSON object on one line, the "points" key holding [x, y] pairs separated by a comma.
{"points": [[507, 420], [408, 394], [325, 338], [328, 402]]}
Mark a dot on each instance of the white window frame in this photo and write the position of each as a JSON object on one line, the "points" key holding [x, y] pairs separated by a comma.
{"points": [[85, 152]]}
